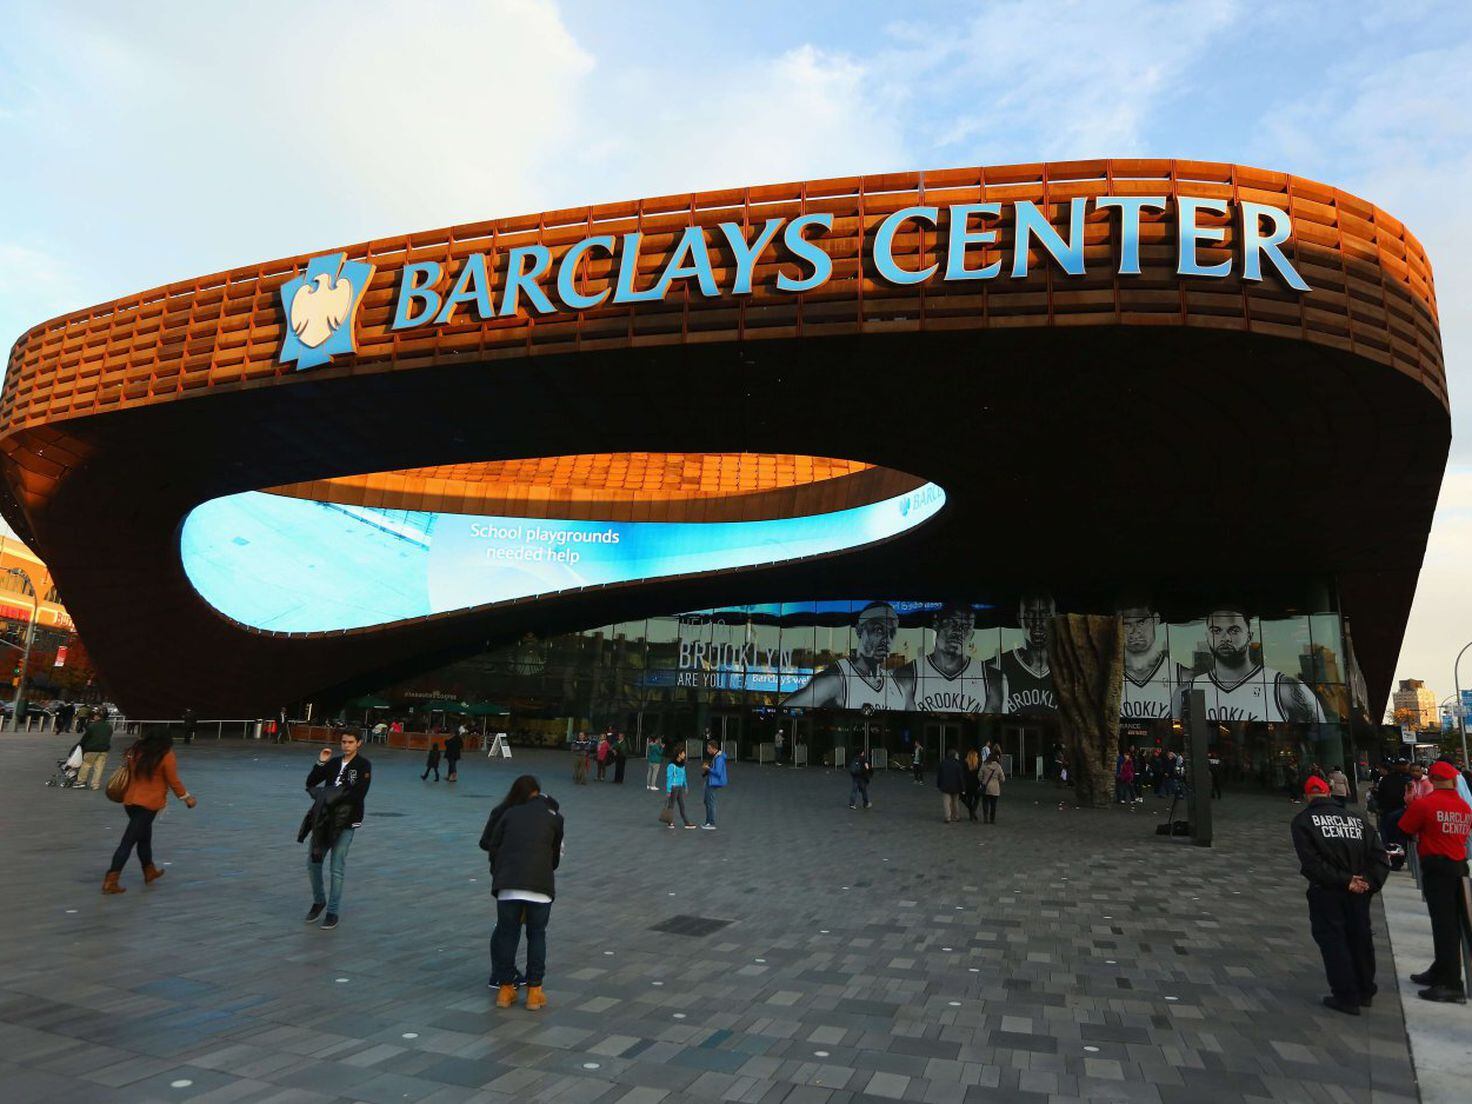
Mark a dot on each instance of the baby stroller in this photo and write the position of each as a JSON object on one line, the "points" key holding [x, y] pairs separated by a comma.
{"points": [[67, 769]]}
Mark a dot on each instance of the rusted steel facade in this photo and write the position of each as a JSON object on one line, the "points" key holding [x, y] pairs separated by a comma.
{"points": [[129, 413]]}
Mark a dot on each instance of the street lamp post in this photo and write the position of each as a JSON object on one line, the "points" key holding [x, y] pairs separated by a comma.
{"points": [[20, 685], [1461, 713]]}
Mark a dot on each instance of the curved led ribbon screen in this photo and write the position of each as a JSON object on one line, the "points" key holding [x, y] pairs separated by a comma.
{"points": [[295, 565]]}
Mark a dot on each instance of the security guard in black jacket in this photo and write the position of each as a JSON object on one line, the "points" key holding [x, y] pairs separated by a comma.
{"points": [[1344, 861]]}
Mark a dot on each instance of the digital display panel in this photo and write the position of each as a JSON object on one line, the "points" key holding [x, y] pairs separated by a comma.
{"points": [[295, 565]]}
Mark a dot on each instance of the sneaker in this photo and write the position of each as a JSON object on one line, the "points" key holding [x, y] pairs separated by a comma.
{"points": [[853, 806], [329, 921], [671, 826], [708, 827], [314, 912], [1342, 1006], [688, 826]]}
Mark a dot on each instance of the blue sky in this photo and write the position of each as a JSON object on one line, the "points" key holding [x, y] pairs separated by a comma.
{"points": [[147, 143]]}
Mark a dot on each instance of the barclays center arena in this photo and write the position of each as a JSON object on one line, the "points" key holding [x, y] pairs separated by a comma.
{"points": [[819, 463]]}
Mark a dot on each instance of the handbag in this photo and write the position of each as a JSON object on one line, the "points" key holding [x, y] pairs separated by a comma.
{"points": [[117, 785], [666, 815]]}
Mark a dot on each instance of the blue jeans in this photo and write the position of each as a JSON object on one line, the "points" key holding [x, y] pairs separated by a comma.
{"points": [[710, 804], [859, 789], [510, 916], [339, 866]]}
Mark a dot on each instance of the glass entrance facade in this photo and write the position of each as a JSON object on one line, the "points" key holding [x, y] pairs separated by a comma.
{"points": [[806, 683]]}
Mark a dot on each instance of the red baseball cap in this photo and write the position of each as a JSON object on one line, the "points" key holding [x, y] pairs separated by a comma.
{"points": [[1442, 771], [1315, 785]]}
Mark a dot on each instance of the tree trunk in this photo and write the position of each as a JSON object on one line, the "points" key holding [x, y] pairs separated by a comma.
{"points": [[1087, 656]]}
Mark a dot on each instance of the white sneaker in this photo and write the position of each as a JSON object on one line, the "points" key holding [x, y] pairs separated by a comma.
{"points": [[708, 827]]}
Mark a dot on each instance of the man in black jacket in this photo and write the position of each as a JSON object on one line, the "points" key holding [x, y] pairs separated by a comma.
{"points": [[339, 784], [525, 849], [1344, 861]]}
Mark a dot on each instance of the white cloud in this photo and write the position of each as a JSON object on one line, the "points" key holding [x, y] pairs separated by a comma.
{"points": [[1086, 82]]}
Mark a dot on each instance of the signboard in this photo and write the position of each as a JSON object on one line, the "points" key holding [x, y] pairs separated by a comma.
{"points": [[499, 746], [60, 657], [1407, 734]]}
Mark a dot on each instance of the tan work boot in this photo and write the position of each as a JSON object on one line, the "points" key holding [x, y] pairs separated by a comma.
{"points": [[151, 874], [535, 998], [110, 884], [505, 996]]}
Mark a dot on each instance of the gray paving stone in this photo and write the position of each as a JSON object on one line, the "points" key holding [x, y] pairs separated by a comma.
{"points": [[1058, 935]]}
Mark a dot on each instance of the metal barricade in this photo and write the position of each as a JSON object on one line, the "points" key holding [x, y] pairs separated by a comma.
{"points": [[799, 755]]}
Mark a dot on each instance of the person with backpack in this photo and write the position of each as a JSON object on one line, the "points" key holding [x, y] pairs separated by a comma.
{"points": [[860, 772], [653, 758], [152, 772]]}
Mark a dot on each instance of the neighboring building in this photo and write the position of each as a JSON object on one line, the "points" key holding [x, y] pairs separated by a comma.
{"points": [[826, 456], [1412, 703]]}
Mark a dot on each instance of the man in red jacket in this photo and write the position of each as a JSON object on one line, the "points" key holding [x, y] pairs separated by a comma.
{"points": [[1439, 823]]}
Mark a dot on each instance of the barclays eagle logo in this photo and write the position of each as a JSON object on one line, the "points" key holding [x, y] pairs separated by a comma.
{"points": [[320, 306]]}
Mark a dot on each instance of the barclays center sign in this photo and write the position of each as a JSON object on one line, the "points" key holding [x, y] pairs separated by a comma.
{"points": [[322, 303]]}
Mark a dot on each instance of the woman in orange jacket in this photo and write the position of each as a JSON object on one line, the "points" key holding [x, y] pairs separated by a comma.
{"points": [[153, 772]]}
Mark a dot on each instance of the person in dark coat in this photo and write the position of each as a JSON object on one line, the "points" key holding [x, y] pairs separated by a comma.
{"points": [[525, 846], [189, 725], [338, 785], [971, 782], [453, 747], [950, 778], [620, 756], [1345, 863], [432, 762]]}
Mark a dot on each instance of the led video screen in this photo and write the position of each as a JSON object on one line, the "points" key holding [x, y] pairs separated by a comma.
{"points": [[295, 565]]}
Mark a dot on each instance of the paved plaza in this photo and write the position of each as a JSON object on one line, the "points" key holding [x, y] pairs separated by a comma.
{"points": [[1057, 956]]}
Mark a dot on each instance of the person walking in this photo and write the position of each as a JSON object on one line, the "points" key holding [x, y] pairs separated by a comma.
{"points": [[1439, 823], [338, 785], [860, 772], [1345, 863], [1339, 787], [432, 763], [620, 757], [525, 847], [674, 785], [454, 746], [152, 773], [917, 761], [992, 777], [605, 747], [714, 773], [1124, 782], [949, 780], [96, 743], [582, 747], [189, 726], [653, 758], [971, 781]]}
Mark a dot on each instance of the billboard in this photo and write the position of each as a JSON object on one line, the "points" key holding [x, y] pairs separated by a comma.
{"points": [[296, 565]]}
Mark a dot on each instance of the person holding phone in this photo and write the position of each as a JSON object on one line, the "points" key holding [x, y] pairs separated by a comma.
{"points": [[338, 784]]}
